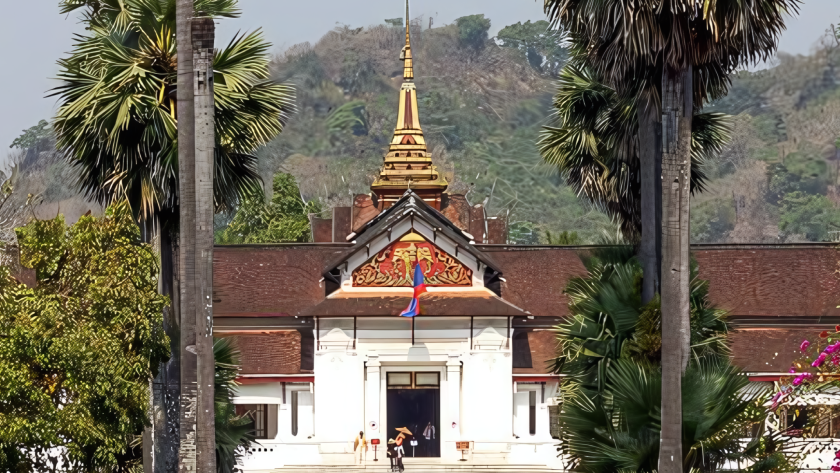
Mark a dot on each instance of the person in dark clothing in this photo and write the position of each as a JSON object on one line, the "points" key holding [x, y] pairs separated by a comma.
{"points": [[392, 454]]}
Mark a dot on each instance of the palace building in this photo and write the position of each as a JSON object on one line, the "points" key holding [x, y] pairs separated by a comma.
{"points": [[325, 353]]}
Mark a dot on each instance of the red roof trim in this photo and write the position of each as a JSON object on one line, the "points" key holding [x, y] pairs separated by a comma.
{"points": [[275, 379], [535, 379], [251, 314], [765, 378]]}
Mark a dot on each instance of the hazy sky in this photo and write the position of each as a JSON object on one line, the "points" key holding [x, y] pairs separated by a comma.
{"points": [[34, 36]]}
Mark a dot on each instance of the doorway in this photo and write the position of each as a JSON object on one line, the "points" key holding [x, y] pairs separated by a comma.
{"points": [[413, 402]]}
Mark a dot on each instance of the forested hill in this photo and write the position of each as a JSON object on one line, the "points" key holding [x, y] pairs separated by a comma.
{"points": [[484, 100], [482, 103]]}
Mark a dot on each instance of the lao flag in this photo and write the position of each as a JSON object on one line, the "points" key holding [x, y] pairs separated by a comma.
{"points": [[419, 288]]}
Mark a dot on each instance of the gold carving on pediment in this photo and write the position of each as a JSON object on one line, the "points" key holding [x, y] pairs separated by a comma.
{"points": [[394, 266]]}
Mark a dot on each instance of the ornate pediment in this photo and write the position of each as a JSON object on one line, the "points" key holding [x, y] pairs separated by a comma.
{"points": [[393, 266]]}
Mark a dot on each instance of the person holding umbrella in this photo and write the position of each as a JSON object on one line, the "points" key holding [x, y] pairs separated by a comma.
{"points": [[403, 435]]}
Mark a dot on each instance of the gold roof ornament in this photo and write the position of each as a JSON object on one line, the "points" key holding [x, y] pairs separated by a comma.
{"points": [[408, 164]]}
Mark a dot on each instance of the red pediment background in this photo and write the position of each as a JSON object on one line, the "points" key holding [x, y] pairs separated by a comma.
{"points": [[394, 266]]}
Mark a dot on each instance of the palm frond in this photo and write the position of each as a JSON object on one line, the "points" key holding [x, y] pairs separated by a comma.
{"points": [[116, 119]]}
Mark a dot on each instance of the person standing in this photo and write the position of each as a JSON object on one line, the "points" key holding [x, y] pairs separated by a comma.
{"points": [[360, 448], [392, 454], [429, 435]]}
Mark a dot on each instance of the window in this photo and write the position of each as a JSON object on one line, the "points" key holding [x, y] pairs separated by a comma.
{"points": [[259, 414], [399, 380], [532, 412], [554, 421], [427, 379]]}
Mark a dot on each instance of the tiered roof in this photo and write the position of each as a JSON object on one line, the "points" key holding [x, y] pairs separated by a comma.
{"points": [[408, 164]]}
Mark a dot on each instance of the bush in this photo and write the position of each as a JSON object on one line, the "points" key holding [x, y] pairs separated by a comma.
{"points": [[472, 30], [811, 215]]}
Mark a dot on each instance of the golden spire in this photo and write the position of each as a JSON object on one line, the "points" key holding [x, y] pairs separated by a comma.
{"points": [[405, 55], [408, 164]]}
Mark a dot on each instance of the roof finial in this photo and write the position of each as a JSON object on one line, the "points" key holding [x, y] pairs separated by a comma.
{"points": [[408, 68]]}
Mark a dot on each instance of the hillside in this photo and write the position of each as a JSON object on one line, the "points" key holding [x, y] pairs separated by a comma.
{"points": [[777, 180], [482, 104]]}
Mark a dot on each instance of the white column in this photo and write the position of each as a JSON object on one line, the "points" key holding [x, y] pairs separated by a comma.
{"points": [[453, 396], [372, 388]]}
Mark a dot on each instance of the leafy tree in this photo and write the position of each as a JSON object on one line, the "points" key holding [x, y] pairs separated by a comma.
{"points": [[541, 45], [285, 219], [472, 30], [77, 351], [611, 350], [811, 215], [33, 136], [234, 434], [117, 119]]}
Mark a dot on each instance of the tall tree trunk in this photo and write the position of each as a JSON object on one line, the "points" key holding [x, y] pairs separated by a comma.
{"points": [[168, 388], [650, 157], [205, 145], [160, 439], [186, 254], [677, 113]]}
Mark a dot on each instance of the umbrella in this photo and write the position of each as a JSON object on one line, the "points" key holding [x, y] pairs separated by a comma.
{"points": [[404, 430]]}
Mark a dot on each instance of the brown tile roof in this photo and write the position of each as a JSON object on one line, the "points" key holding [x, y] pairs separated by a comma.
{"points": [[786, 281], [269, 279], [269, 353], [767, 351], [791, 280], [543, 344], [536, 276]]}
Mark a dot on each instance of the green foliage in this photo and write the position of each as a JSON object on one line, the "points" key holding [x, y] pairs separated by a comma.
{"points": [[594, 144], [472, 30], [811, 215], [349, 117], [481, 138], [542, 45], [711, 221], [234, 434], [611, 351], [285, 219], [563, 238], [33, 136], [116, 119], [77, 351]]}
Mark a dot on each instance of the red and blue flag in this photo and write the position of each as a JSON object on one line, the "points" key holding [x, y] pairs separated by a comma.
{"points": [[419, 288]]}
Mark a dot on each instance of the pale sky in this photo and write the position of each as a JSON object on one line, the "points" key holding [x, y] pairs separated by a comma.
{"points": [[34, 36]]}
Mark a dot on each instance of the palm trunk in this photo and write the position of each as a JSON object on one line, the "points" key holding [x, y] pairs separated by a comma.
{"points": [[186, 254], [650, 157], [160, 439], [677, 113], [203, 30]]}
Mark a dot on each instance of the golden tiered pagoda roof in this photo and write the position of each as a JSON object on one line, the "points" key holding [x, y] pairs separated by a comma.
{"points": [[408, 164]]}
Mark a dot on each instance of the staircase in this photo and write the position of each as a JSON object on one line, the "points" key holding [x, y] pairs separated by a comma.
{"points": [[413, 465]]}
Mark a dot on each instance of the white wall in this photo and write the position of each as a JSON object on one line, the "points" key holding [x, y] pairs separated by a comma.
{"points": [[339, 396]]}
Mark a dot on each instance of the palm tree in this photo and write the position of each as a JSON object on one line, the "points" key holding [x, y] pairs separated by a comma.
{"points": [[123, 124], [234, 433], [611, 352], [692, 45], [117, 116], [594, 144]]}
